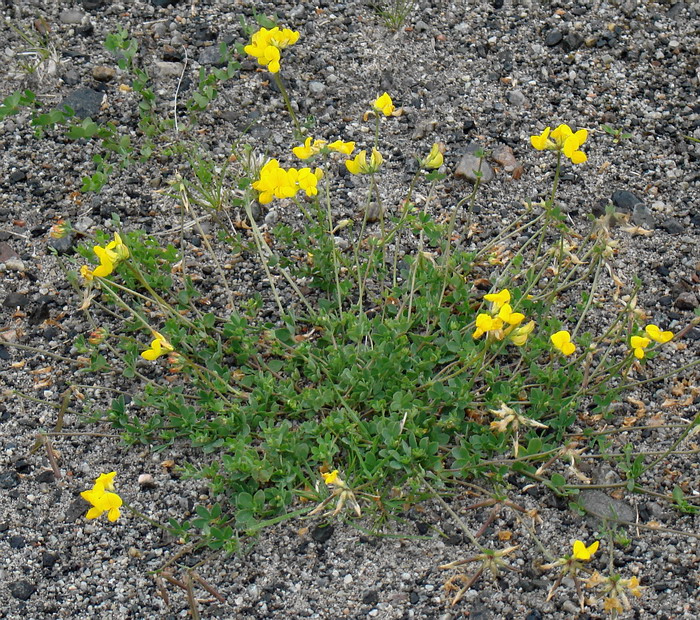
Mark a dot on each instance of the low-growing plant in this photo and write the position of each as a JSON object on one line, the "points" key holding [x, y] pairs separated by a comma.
{"points": [[392, 350], [394, 13]]}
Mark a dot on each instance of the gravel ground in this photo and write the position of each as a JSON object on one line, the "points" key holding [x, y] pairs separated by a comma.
{"points": [[465, 73]]}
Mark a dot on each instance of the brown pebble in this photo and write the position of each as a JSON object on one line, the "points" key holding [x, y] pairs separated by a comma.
{"points": [[103, 74]]}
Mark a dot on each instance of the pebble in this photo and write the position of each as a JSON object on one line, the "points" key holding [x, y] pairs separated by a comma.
{"points": [[322, 533], [103, 74], [316, 88], [641, 216], [169, 69], [7, 252], [625, 201], [470, 164], [686, 301], [553, 38], [672, 226], [504, 156], [15, 300], [62, 245], [208, 56], [17, 542], [22, 589], [374, 212], [516, 97], [599, 503], [48, 560], [84, 102], [71, 16], [571, 42], [15, 264], [146, 481]]}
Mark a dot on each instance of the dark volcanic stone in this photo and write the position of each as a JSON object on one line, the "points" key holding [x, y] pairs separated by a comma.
{"points": [[625, 201], [370, 597], [15, 300], [45, 476], [9, 480], [84, 102], [16, 176], [686, 301], [672, 226], [553, 38], [22, 590], [63, 245], [571, 42], [39, 314], [422, 527], [322, 533], [48, 559], [17, 542]]}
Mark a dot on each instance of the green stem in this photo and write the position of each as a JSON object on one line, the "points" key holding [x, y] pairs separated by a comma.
{"points": [[298, 133]]}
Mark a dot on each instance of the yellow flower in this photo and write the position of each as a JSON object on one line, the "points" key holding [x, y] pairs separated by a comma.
{"points": [[307, 180], [563, 140], [359, 165], [542, 141], [308, 149], [159, 346], [342, 147], [507, 315], [274, 182], [572, 144], [434, 159], [498, 299], [657, 335], [116, 249], [486, 323], [330, 478], [384, 104], [102, 499], [638, 344], [106, 481], [266, 45], [562, 341], [519, 335], [581, 552]]}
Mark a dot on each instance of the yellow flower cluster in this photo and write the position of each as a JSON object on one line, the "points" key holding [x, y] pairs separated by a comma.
{"points": [[110, 255], [653, 332], [501, 322], [102, 498], [266, 45], [313, 147], [276, 182], [562, 140], [360, 165]]}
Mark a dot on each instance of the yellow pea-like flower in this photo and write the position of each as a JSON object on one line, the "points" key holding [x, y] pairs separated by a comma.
{"points": [[639, 344], [581, 552], [562, 341], [384, 104], [655, 333], [342, 147], [434, 159], [159, 346], [498, 299]]}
